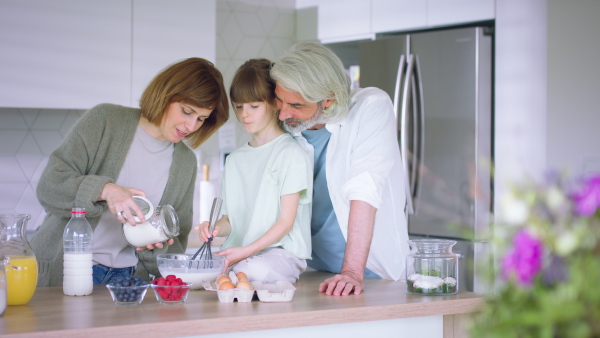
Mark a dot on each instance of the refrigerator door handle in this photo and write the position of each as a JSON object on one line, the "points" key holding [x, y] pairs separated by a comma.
{"points": [[404, 136], [397, 89], [418, 131]]}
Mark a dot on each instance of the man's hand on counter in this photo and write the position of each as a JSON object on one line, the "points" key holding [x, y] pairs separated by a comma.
{"points": [[342, 284]]}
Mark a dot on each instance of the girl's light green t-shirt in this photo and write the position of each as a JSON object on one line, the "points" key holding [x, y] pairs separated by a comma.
{"points": [[254, 180]]}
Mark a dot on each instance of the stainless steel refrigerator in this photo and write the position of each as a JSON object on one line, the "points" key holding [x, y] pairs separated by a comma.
{"points": [[441, 85]]}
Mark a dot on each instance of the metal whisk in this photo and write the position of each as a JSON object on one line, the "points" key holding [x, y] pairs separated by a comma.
{"points": [[205, 251]]}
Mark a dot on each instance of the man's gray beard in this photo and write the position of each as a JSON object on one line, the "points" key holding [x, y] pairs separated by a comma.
{"points": [[317, 118]]}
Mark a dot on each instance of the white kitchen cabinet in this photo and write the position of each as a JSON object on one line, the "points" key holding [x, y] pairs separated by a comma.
{"points": [[168, 31], [398, 15], [404, 15], [451, 12], [344, 20], [64, 53], [72, 54]]}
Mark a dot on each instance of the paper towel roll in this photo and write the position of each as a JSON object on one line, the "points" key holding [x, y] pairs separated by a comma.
{"points": [[207, 195]]}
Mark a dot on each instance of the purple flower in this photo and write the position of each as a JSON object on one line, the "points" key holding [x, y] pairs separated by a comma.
{"points": [[556, 272], [525, 260], [587, 200]]}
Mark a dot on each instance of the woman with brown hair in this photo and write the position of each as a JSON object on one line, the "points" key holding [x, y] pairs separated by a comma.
{"points": [[114, 153]]}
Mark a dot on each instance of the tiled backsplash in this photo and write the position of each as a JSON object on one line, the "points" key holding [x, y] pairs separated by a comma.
{"points": [[245, 29], [27, 137]]}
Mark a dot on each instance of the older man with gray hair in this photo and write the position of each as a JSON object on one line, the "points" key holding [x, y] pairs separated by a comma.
{"points": [[358, 216]]}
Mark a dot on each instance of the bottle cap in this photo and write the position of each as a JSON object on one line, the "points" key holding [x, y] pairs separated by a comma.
{"points": [[78, 211]]}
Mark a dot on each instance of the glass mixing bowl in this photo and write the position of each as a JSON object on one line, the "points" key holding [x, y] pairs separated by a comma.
{"points": [[190, 271]]}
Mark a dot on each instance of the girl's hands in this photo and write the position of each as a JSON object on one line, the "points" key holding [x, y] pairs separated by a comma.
{"points": [[204, 231], [234, 255], [120, 202]]}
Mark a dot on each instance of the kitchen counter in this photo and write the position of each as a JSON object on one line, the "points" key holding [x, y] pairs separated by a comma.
{"points": [[51, 314]]}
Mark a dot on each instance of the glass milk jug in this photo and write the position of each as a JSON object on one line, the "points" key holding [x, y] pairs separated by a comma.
{"points": [[432, 267], [20, 267], [2, 287]]}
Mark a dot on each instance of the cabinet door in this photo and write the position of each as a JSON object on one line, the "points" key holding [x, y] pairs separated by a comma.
{"points": [[449, 12], [344, 20], [64, 53], [165, 32], [398, 15]]}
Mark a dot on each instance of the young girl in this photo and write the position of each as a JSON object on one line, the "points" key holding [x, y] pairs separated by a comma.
{"points": [[266, 187]]}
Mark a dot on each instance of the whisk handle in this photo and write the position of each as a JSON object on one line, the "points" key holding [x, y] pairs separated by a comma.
{"points": [[214, 213]]}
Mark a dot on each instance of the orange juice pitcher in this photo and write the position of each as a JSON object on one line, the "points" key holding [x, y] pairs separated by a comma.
{"points": [[20, 265]]}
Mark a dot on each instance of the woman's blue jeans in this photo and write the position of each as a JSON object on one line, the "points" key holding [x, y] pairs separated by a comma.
{"points": [[103, 274]]}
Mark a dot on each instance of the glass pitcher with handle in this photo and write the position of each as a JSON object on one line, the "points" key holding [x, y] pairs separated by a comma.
{"points": [[20, 264]]}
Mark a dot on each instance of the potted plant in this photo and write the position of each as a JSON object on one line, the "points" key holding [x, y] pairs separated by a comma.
{"points": [[547, 250]]}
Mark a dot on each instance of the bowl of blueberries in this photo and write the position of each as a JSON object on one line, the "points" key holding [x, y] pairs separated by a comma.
{"points": [[127, 290]]}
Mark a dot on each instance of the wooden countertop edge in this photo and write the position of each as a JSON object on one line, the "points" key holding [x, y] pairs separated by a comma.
{"points": [[271, 321]]}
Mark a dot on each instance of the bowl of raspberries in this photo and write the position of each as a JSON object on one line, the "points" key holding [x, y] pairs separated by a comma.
{"points": [[127, 290], [171, 290]]}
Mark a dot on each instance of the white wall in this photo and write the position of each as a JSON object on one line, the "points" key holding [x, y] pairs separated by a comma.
{"points": [[573, 86], [520, 91], [547, 84]]}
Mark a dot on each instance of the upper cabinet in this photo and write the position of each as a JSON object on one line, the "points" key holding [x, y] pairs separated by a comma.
{"points": [[344, 20], [168, 31], [399, 15], [72, 54], [451, 12], [64, 54], [348, 20]]}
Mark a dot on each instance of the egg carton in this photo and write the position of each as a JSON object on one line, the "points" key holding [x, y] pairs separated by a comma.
{"points": [[280, 291], [212, 286], [242, 295]]}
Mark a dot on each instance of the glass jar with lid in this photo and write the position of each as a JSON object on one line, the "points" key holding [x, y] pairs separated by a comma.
{"points": [[432, 267], [161, 224]]}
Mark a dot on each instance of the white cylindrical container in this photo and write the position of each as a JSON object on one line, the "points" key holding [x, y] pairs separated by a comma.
{"points": [[77, 259], [207, 194]]}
